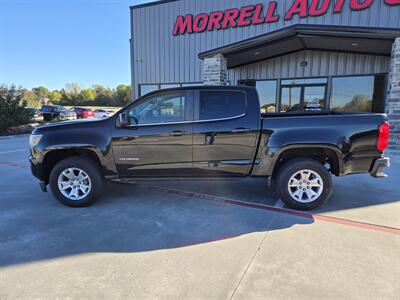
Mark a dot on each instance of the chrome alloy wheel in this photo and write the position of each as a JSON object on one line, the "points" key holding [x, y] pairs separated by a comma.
{"points": [[74, 184], [305, 186]]}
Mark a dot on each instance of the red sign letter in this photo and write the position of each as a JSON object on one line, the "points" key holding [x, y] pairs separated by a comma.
{"points": [[355, 5], [215, 20], [245, 13], [271, 17], [392, 2], [183, 24], [315, 11], [298, 7], [230, 18], [338, 6], [257, 18], [200, 23]]}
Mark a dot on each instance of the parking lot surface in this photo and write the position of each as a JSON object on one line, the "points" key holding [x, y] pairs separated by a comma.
{"points": [[189, 240]]}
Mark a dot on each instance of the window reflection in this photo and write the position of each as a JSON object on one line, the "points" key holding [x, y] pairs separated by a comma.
{"points": [[267, 93], [352, 93], [291, 99], [148, 88]]}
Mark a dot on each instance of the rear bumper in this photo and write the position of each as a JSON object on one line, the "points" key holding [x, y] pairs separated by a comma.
{"points": [[378, 166]]}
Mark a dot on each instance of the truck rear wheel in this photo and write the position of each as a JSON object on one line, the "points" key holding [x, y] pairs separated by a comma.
{"points": [[304, 184], [76, 182]]}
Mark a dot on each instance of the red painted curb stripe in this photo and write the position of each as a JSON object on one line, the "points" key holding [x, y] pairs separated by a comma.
{"points": [[322, 218], [10, 164]]}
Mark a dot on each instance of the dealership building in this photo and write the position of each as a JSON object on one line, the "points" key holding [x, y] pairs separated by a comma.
{"points": [[301, 55]]}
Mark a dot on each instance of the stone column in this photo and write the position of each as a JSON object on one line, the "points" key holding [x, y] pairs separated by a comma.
{"points": [[215, 70], [393, 100]]}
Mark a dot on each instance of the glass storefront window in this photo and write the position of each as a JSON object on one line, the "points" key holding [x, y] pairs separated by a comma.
{"points": [[304, 81], [267, 93], [191, 84], [170, 86], [291, 99], [148, 88], [314, 98], [352, 93]]}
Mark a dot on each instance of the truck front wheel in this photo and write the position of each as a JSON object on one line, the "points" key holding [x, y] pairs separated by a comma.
{"points": [[304, 184], [76, 182]]}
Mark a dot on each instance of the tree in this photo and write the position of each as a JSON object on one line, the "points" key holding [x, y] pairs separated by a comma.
{"points": [[30, 98], [55, 96], [41, 93], [12, 108], [87, 96], [104, 96], [122, 95]]}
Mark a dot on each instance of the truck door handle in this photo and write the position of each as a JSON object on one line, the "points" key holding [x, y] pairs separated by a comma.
{"points": [[177, 133], [241, 130]]}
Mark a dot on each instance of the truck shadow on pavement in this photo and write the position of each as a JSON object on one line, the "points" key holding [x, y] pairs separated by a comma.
{"points": [[127, 219], [131, 218]]}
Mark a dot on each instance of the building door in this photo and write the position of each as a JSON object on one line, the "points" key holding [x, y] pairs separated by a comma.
{"points": [[303, 95]]}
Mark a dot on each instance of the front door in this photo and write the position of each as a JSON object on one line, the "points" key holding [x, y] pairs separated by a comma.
{"points": [[303, 95], [159, 140]]}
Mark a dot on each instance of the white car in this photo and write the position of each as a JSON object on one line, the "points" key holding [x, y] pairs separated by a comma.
{"points": [[103, 113]]}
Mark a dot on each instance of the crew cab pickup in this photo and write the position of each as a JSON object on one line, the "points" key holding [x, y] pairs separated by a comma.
{"points": [[208, 131]]}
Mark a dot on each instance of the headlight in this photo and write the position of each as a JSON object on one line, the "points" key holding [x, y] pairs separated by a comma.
{"points": [[34, 139]]}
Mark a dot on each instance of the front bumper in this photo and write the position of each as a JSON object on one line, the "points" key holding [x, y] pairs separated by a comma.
{"points": [[378, 166]]}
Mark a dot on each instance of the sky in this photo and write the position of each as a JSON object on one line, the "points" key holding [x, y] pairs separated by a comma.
{"points": [[53, 42]]}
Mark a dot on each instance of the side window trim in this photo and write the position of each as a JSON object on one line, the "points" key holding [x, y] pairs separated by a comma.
{"points": [[196, 118]]}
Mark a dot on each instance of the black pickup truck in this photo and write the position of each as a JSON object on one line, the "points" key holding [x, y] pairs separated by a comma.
{"points": [[208, 132]]}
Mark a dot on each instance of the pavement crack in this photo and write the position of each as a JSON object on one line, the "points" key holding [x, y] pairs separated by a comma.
{"points": [[253, 257]]}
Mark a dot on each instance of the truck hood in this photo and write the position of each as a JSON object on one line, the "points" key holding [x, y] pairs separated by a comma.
{"points": [[82, 123]]}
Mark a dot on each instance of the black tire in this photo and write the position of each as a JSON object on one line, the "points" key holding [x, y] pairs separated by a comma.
{"points": [[294, 166], [90, 168]]}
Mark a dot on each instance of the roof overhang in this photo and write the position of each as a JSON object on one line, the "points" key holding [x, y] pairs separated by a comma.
{"points": [[376, 41]]}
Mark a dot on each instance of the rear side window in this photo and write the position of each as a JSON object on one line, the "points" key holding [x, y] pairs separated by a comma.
{"points": [[221, 104]]}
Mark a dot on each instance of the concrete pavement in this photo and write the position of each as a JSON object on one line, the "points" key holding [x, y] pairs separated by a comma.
{"points": [[143, 244]]}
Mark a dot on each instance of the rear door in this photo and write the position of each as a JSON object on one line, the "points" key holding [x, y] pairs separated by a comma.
{"points": [[225, 131]]}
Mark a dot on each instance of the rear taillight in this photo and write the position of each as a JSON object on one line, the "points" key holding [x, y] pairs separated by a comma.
{"points": [[88, 113], [383, 136]]}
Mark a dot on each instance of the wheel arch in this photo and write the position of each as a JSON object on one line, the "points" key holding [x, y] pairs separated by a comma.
{"points": [[325, 154], [54, 156]]}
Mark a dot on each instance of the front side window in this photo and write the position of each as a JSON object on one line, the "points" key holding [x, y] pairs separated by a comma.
{"points": [[221, 104], [168, 108], [352, 93]]}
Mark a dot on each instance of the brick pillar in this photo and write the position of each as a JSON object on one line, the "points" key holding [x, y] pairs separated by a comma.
{"points": [[393, 100], [215, 70]]}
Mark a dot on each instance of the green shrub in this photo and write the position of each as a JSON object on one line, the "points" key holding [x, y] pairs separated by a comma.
{"points": [[12, 108]]}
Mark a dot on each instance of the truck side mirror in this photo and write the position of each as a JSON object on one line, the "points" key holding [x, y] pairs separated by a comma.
{"points": [[123, 120]]}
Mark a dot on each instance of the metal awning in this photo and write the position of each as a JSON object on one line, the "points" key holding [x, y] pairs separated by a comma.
{"points": [[377, 41]]}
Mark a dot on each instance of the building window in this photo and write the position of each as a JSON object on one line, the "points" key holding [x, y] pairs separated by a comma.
{"points": [[144, 89], [358, 94], [267, 93], [290, 99], [170, 86], [221, 104], [191, 84], [148, 88]]}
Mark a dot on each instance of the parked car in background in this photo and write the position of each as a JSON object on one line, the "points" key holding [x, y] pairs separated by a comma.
{"points": [[103, 113], [36, 115], [51, 112], [83, 113]]}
